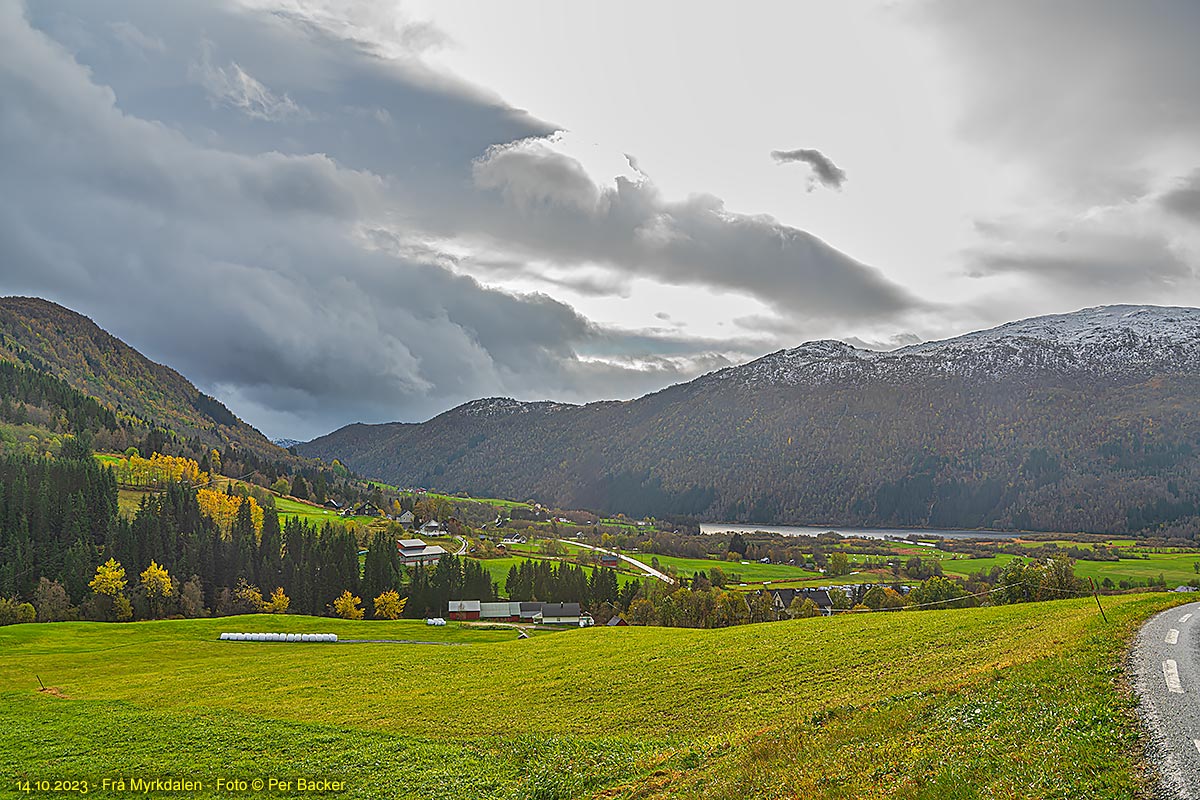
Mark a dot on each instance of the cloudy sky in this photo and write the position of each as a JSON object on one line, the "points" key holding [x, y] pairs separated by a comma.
{"points": [[327, 212]]}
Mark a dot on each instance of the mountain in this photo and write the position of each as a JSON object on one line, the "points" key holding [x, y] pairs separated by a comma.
{"points": [[286, 443], [53, 340], [1082, 421]]}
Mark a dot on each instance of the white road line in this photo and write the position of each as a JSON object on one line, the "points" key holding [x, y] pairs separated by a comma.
{"points": [[1172, 637], [1171, 674], [1197, 743], [1185, 617]]}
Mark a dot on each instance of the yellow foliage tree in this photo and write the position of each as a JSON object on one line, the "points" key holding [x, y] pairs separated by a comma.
{"points": [[110, 582], [279, 602], [159, 470], [157, 583], [222, 508], [348, 606], [247, 598], [110, 579], [390, 605]]}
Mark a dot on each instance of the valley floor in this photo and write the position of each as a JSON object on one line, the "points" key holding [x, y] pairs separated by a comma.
{"points": [[1019, 700]]}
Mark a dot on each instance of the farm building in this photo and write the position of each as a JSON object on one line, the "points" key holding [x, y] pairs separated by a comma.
{"points": [[433, 526], [782, 599], [529, 611], [415, 551], [407, 519], [614, 622], [500, 612], [559, 614], [464, 609], [610, 560]]}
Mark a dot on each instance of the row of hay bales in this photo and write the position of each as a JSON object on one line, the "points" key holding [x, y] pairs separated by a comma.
{"points": [[279, 637]]}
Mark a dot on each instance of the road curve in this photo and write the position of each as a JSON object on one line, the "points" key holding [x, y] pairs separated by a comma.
{"points": [[1165, 665], [646, 568], [462, 545]]}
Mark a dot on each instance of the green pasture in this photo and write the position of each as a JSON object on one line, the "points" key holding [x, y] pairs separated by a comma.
{"points": [[1010, 701]]}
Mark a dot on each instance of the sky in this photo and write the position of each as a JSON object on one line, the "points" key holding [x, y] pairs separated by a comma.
{"points": [[330, 212]]}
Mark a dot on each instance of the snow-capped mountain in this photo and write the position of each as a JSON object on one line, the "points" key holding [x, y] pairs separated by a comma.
{"points": [[1083, 421], [1106, 340]]}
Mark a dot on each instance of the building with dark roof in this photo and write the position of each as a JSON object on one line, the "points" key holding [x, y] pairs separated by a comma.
{"points": [[559, 614]]}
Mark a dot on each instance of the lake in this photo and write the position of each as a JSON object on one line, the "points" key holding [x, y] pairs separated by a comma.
{"points": [[866, 533]]}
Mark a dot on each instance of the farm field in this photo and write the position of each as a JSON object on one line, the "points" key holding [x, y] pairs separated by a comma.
{"points": [[1176, 568], [995, 702], [289, 507]]}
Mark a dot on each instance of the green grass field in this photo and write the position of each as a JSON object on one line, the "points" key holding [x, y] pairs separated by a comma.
{"points": [[1177, 568], [288, 507], [498, 568], [1014, 701]]}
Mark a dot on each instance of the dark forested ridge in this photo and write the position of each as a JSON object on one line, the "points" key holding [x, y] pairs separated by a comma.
{"points": [[1084, 421], [47, 338]]}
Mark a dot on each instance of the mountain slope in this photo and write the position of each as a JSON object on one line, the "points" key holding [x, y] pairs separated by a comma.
{"points": [[43, 335], [1083, 421]]}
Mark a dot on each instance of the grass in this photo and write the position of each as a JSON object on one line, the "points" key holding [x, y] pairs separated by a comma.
{"points": [[290, 507], [1176, 567], [498, 569], [996, 702]]}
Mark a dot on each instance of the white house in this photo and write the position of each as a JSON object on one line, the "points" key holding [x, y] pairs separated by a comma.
{"points": [[558, 614], [415, 551]]}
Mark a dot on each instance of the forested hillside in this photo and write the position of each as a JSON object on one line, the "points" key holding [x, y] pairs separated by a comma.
{"points": [[50, 339], [1084, 421]]}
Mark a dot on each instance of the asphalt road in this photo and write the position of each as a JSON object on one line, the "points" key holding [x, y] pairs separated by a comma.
{"points": [[653, 573], [1166, 676]]}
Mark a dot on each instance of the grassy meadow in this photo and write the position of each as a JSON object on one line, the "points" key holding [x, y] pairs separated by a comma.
{"points": [[982, 703]]}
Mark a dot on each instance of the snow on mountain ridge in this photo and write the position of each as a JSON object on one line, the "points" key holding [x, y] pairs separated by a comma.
{"points": [[1105, 340], [502, 407]]}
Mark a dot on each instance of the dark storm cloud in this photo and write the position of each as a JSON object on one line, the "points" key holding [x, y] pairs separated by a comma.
{"points": [[823, 168], [259, 203]]}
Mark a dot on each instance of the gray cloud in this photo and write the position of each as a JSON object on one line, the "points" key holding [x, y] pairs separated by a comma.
{"points": [[233, 86], [263, 204], [246, 271], [1183, 199], [1093, 260], [553, 210], [1099, 113], [824, 170], [1098, 84]]}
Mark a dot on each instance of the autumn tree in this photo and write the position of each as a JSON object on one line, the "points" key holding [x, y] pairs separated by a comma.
{"points": [[157, 584], [191, 598], [51, 601], [108, 590], [348, 606], [278, 602], [247, 598], [389, 605]]}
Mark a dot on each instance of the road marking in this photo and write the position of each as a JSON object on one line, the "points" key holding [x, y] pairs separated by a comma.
{"points": [[1185, 617], [1197, 743], [1171, 673], [1172, 637]]}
